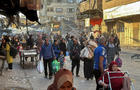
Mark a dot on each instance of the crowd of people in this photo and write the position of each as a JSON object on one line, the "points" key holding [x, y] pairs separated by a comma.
{"points": [[97, 53]]}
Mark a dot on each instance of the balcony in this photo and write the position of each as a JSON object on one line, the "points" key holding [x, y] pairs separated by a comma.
{"points": [[90, 5], [90, 8]]}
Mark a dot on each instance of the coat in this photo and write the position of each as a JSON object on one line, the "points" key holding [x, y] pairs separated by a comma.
{"points": [[9, 58], [116, 83], [63, 47], [47, 52], [56, 50], [75, 51]]}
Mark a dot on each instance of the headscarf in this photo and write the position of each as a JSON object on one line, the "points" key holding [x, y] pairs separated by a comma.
{"points": [[7, 39], [102, 40], [62, 76], [111, 64]]}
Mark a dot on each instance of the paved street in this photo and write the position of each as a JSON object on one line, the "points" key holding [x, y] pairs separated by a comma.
{"points": [[30, 79]]}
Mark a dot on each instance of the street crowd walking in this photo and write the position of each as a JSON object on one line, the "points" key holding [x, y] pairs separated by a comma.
{"points": [[97, 53]]}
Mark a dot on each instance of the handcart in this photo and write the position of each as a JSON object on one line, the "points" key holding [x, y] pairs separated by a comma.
{"points": [[26, 54], [126, 74]]}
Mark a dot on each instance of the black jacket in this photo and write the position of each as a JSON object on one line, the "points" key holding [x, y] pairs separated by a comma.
{"points": [[75, 51]]}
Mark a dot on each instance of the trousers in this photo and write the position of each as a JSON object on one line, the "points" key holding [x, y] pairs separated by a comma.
{"points": [[48, 64], [97, 74], [75, 63]]}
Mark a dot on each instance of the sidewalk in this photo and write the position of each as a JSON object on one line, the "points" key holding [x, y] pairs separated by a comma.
{"points": [[131, 65], [30, 79]]}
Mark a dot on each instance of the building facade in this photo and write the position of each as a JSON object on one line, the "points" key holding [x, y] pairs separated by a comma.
{"points": [[91, 14], [61, 9], [123, 18], [43, 12]]}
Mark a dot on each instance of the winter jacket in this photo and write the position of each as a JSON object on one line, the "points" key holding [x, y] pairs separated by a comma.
{"points": [[63, 47], [116, 83], [70, 44], [61, 59], [56, 50], [9, 58], [47, 52], [75, 51]]}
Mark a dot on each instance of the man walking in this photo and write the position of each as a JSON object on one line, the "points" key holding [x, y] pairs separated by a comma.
{"points": [[48, 55], [100, 60], [75, 57]]}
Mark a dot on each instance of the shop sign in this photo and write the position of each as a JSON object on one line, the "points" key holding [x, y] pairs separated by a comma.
{"points": [[122, 11], [87, 22]]}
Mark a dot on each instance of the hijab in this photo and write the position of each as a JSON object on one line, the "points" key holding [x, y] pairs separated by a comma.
{"points": [[62, 76], [111, 64]]}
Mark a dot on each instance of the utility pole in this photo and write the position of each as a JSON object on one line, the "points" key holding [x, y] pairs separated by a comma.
{"points": [[27, 26], [89, 16]]}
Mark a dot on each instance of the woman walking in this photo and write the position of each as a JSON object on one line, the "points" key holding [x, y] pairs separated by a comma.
{"points": [[88, 62], [9, 57]]}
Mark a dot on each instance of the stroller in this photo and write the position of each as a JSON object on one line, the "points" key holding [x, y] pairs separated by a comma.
{"points": [[126, 74]]}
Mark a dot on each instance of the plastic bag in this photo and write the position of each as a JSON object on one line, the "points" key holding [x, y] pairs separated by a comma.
{"points": [[67, 53], [40, 67], [55, 66], [119, 61], [84, 53]]}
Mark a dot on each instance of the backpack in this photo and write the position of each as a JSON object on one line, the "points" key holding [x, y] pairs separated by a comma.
{"points": [[119, 61], [13, 51], [2, 52]]}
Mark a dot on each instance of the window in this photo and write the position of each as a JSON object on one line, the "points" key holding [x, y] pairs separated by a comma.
{"points": [[120, 27], [50, 9], [71, 18], [59, 9], [108, 0], [71, 10], [59, 1], [70, 1]]}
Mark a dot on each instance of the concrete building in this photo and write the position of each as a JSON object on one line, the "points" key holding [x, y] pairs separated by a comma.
{"points": [[59, 9], [91, 14], [43, 12], [123, 18]]}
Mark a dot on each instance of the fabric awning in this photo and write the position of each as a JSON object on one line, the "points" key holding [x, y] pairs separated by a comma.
{"points": [[93, 22]]}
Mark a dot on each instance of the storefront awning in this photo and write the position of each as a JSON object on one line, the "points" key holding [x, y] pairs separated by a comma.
{"points": [[93, 22], [122, 11]]}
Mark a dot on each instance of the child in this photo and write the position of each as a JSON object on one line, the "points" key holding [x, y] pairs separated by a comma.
{"points": [[20, 47], [61, 59]]}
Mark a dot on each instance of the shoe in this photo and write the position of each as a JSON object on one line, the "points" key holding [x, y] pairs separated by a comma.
{"points": [[50, 77], [46, 77], [77, 76], [32, 60], [9, 70], [87, 78]]}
